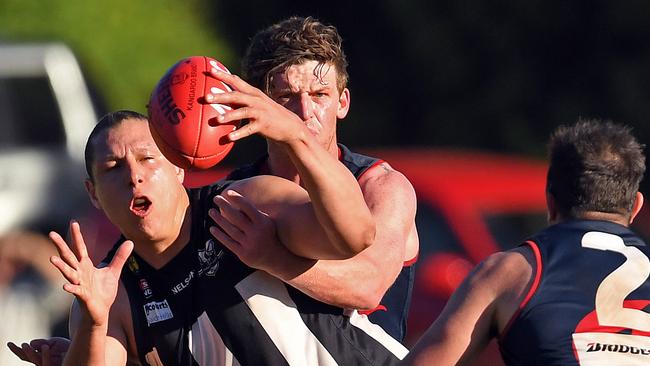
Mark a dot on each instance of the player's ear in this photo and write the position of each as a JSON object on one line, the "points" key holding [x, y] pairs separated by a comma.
{"points": [[344, 104], [636, 207], [551, 208], [90, 188]]}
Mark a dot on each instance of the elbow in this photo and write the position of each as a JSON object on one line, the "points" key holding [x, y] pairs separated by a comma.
{"points": [[364, 238], [368, 299]]}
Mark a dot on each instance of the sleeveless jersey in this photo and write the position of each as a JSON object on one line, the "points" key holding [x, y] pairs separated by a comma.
{"points": [[392, 313], [590, 300], [205, 307]]}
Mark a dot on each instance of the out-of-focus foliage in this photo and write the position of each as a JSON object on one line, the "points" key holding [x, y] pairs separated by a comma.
{"points": [[124, 46]]}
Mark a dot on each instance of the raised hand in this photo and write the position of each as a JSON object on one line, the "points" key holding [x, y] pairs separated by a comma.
{"points": [[265, 116], [95, 288], [42, 352]]}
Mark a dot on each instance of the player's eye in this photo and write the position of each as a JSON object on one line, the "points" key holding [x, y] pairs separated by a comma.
{"points": [[110, 164]]}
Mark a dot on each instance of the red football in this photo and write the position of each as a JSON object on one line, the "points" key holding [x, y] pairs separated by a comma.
{"points": [[184, 128]]}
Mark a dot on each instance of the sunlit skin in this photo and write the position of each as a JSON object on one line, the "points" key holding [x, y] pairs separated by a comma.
{"points": [[137, 187], [310, 91]]}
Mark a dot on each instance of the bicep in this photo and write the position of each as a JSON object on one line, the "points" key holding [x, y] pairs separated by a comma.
{"points": [[290, 208], [392, 203]]}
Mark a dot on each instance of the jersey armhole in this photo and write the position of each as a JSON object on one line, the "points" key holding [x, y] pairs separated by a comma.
{"points": [[531, 291], [371, 167]]}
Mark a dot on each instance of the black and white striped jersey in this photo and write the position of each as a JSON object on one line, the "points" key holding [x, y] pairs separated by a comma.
{"points": [[205, 307]]}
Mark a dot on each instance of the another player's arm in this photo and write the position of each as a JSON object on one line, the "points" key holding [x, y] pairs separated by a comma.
{"points": [[290, 208], [95, 290], [477, 311], [335, 195], [361, 281], [94, 344]]}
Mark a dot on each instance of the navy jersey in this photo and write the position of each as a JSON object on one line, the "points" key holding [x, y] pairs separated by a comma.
{"points": [[392, 313], [205, 307], [590, 300]]}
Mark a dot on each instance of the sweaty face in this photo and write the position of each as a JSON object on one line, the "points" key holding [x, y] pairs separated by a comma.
{"points": [[310, 91], [140, 191]]}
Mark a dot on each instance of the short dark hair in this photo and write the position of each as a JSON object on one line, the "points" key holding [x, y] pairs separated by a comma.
{"points": [[292, 42], [106, 122], [595, 166]]}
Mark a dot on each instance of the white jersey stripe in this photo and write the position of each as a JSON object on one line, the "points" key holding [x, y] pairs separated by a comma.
{"points": [[375, 331], [206, 344], [269, 300]]}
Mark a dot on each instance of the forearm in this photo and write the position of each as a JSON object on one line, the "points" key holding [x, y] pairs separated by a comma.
{"points": [[88, 346], [335, 194], [348, 283]]}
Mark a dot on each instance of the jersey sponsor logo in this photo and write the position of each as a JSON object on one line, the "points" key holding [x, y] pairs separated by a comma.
{"points": [[209, 259], [146, 290], [620, 348], [184, 284], [596, 348], [157, 311]]}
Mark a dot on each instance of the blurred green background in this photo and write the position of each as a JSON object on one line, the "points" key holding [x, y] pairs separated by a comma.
{"points": [[494, 75], [124, 46]]}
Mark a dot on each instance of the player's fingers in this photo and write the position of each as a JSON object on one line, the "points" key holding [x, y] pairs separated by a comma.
{"points": [[64, 251], [39, 342], [75, 290], [243, 131], [17, 351], [31, 354], [244, 205], [231, 212], [239, 114], [78, 244], [45, 355], [225, 239], [234, 81], [120, 257], [234, 98], [68, 272], [233, 230]]}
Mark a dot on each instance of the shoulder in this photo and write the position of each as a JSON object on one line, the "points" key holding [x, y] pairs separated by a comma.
{"points": [[505, 269], [506, 277], [384, 179]]}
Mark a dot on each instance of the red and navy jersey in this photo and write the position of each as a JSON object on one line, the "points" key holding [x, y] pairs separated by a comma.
{"points": [[590, 300], [205, 307], [392, 312]]}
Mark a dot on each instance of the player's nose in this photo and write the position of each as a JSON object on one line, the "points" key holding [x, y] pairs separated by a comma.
{"points": [[305, 109]]}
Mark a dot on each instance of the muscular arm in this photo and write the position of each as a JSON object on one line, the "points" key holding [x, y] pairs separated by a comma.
{"points": [[335, 195], [361, 281], [377, 214], [247, 203], [477, 311]]}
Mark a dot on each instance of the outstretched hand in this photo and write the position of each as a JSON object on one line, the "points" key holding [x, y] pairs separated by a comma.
{"points": [[264, 115], [42, 352], [95, 288]]}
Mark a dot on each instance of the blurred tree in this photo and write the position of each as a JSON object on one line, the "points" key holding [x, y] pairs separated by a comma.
{"points": [[125, 45]]}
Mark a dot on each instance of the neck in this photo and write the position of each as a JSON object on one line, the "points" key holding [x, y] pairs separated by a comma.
{"points": [[597, 215], [159, 251]]}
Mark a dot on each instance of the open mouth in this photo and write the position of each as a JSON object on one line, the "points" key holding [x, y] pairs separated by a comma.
{"points": [[140, 206]]}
